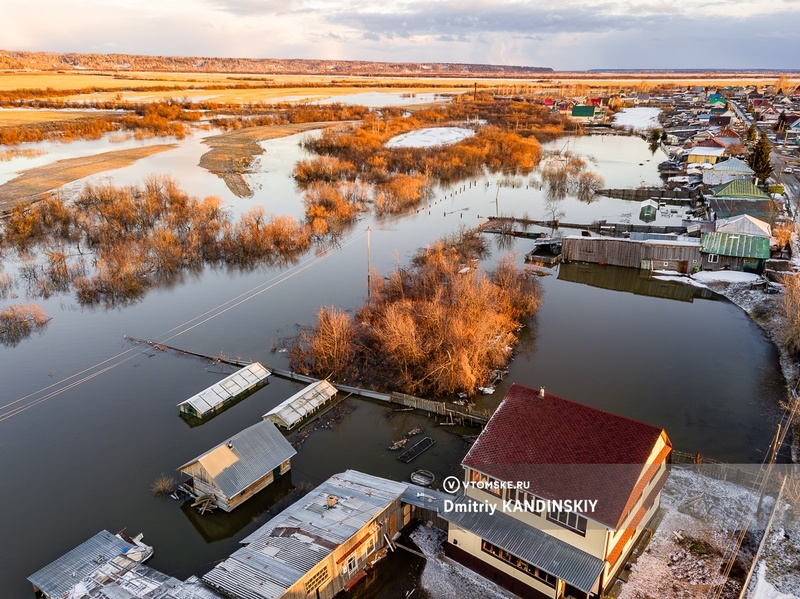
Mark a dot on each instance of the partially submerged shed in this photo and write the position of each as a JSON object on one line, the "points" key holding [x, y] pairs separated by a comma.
{"points": [[302, 404], [237, 469], [320, 545], [77, 570], [222, 394]]}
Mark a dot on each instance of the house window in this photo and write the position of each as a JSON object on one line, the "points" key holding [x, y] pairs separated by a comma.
{"points": [[526, 501], [713, 258], [370, 546], [519, 564], [571, 520], [485, 483], [351, 563], [317, 580]]}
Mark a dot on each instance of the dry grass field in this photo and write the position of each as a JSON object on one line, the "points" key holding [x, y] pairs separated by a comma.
{"points": [[13, 117], [36, 181]]}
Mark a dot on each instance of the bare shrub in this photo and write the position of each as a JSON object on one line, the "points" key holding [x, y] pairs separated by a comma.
{"points": [[790, 309], [163, 485], [6, 285], [438, 327]]}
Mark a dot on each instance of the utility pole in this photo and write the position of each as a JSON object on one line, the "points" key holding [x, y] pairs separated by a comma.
{"points": [[368, 268]]}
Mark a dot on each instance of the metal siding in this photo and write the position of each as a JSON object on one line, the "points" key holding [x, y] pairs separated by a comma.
{"points": [[535, 546], [735, 245], [273, 558]]}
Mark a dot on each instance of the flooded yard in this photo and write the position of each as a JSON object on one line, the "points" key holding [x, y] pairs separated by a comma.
{"points": [[92, 420]]}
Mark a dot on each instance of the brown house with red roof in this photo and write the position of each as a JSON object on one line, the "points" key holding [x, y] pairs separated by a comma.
{"points": [[556, 495]]}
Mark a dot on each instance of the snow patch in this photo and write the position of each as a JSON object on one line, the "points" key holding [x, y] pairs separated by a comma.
{"points": [[764, 590], [639, 119], [445, 578], [727, 276], [428, 138]]}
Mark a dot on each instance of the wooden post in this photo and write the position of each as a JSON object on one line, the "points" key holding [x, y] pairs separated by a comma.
{"points": [[369, 291]]}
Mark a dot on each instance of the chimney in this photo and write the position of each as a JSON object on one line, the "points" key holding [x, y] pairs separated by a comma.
{"points": [[541, 392]]}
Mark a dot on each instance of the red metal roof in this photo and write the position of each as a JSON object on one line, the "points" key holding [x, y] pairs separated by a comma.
{"points": [[565, 450]]}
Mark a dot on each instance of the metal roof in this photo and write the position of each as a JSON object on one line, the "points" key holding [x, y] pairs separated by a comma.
{"points": [[733, 165], [704, 151], [191, 588], [535, 546], [744, 224], [237, 383], [237, 463], [63, 574], [736, 245], [739, 189], [288, 413], [295, 541], [727, 207]]}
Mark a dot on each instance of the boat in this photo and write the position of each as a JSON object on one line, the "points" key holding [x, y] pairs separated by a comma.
{"points": [[398, 444], [422, 478], [414, 431]]}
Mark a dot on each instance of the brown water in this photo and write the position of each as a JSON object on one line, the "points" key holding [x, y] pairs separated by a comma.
{"points": [[83, 460]]}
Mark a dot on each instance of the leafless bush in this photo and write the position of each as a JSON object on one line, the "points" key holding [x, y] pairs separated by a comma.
{"points": [[163, 485]]}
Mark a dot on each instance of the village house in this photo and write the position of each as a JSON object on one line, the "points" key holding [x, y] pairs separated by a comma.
{"points": [[536, 451], [587, 113], [727, 171], [740, 196], [320, 545], [739, 243], [703, 155], [238, 468]]}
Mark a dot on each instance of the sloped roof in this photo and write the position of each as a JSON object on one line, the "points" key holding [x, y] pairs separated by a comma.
{"points": [[583, 111], [294, 542], [735, 245], [728, 207], [529, 543], [739, 189], [253, 453], [733, 165], [230, 387], [564, 449], [699, 150], [746, 225], [306, 401], [59, 576], [728, 132]]}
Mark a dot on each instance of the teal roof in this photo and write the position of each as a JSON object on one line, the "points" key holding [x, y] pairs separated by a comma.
{"points": [[583, 111], [736, 245], [733, 165], [740, 189]]}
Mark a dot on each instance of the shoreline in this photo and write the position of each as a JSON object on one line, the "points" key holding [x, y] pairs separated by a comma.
{"points": [[764, 310]]}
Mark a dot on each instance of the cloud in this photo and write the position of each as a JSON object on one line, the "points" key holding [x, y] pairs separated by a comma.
{"points": [[570, 34]]}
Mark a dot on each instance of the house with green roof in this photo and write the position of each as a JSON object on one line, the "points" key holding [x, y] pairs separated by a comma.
{"points": [[739, 189], [587, 113], [734, 251]]}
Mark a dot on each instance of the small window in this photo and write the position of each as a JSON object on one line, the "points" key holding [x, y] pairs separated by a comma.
{"points": [[571, 520], [351, 563], [713, 258]]}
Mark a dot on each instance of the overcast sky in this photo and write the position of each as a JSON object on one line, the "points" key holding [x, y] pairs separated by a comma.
{"points": [[562, 34]]}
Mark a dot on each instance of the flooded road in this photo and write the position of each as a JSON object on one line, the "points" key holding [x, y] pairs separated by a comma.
{"points": [[80, 451]]}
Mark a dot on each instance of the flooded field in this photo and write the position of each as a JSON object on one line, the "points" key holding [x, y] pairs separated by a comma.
{"points": [[90, 420]]}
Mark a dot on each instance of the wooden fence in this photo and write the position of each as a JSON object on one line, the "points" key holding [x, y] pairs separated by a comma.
{"points": [[752, 478]]}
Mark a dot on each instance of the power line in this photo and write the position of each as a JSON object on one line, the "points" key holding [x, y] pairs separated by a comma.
{"points": [[166, 336]]}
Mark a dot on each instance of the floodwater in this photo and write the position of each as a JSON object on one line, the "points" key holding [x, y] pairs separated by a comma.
{"points": [[88, 421]]}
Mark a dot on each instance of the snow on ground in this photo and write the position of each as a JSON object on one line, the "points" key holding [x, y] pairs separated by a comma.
{"points": [[427, 138], [778, 572], [764, 590], [639, 119], [727, 276], [684, 557], [446, 579]]}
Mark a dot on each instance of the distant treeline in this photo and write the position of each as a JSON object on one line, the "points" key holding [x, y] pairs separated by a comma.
{"points": [[52, 61]]}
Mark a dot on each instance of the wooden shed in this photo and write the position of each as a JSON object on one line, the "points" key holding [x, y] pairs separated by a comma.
{"points": [[653, 254], [241, 466]]}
